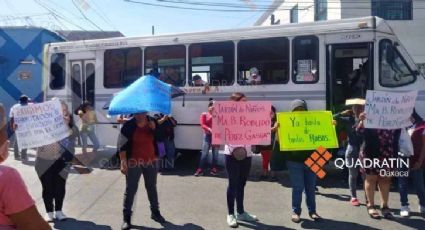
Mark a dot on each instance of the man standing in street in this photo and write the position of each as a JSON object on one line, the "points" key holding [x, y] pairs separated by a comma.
{"points": [[23, 101], [138, 156]]}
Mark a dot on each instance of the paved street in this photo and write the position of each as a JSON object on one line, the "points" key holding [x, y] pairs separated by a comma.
{"points": [[94, 201]]}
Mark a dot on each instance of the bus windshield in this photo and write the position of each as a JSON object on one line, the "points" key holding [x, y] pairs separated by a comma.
{"points": [[393, 68]]}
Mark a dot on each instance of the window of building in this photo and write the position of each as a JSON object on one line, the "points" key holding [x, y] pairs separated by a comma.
{"points": [[167, 63], [57, 71], [122, 67], [305, 59], [393, 10], [263, 61], [393, 68], [294, 14], [214, 61], [320, 10]]}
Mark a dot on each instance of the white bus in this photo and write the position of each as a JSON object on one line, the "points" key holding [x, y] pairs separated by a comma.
{"points": [[323, 63]]}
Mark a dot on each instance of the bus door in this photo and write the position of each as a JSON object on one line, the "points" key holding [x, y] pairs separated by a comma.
{"points": [[349, 73], [82, 82]]}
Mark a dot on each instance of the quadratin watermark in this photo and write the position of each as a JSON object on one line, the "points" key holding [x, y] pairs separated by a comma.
{"points": [[388, 167], [317, 160]]}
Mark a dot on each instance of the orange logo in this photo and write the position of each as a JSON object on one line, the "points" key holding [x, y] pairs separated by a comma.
{"points": [[317, 160]]}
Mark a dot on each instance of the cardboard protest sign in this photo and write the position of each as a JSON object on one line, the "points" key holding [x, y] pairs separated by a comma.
{"points": [[389, 110], [306, 130], [241, 123], [40, 124]]}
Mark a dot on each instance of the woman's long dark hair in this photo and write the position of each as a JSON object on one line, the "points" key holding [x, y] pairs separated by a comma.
{"points": [[416, 116], [237, 96]]}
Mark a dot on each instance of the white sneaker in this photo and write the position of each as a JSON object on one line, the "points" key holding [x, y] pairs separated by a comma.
{"points": [[49, 217], [60, 216], [404, 211], [421, 209], [246, 217], [231, 221]]}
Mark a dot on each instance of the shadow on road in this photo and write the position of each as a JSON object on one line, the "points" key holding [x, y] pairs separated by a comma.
{"points": [[259, 225], [334, 224], [169, 225], [71, 224]]}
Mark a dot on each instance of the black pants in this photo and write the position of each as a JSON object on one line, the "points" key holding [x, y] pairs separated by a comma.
{"points": [[53, 175], [132, 183], [238, 172]]}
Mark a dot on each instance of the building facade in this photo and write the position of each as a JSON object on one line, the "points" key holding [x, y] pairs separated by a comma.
{"points": [[406, 17]]}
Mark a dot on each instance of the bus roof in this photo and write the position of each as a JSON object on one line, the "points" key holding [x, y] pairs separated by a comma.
{"points": [[296, 29]]}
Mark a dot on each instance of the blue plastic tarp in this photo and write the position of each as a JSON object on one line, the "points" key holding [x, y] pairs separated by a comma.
{"points": [[147, 94]]}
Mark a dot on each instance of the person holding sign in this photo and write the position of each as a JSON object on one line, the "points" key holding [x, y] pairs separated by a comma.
{"points": [[302, 178], [238, 165], [350, 120], [52, 168], [206, 125], [266, 151], [380, 145], [138, 156]]}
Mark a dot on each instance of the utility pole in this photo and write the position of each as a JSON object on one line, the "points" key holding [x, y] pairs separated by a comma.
{"points": [[153, 30]]}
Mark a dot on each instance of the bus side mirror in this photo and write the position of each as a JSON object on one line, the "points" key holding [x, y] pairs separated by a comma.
{"points": [[396, 44]]}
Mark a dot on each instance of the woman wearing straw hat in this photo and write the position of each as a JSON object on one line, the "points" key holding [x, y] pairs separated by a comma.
{"points": [[350, 119]]}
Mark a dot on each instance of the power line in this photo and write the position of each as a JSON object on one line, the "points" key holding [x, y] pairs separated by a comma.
{"points": [[102, 15], [85, 17], [200, 9], [229, 7], [57, 16]]}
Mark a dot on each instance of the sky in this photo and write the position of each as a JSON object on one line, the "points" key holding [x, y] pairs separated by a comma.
{"points": [[130, 18]]}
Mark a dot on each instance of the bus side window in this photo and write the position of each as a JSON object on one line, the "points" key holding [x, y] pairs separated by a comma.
{"points": [[305, 61], [270, 56], [168, 63], [122, 67], [57, 71], [393, 69], [214, 62]]}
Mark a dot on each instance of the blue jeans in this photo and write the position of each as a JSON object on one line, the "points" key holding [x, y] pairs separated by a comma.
{"points": [[206, 145], [170, 149], [351, 156], [92, 135], [418, 181], [302, 179]]}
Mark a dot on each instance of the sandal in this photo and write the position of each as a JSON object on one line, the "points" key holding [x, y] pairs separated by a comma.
{"points": [[386, 213], [315, 216], [295, 218], [373, 213]]}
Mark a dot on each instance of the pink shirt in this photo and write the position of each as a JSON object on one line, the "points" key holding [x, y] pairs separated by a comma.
{"points": [[14, 196]]}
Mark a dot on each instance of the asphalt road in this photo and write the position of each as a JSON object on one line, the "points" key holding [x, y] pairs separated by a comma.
{"points": [[94, 201]]}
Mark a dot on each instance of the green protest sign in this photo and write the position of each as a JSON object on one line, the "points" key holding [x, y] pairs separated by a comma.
{"points": [[306, 130]]}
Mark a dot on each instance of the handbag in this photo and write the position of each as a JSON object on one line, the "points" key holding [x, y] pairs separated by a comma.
{"points": [[239, 153], [405, 144]]}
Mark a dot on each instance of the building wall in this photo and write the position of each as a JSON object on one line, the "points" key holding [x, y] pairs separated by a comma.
{"points": [[21, 62]]}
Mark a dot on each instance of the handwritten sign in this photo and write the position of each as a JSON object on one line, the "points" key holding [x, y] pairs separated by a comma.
{"points": [[241, 123], [306, 130], [389, 110], [40, 124]]}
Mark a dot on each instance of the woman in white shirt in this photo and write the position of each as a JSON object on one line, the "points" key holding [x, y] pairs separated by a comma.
{"points": [[238, 166]]}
